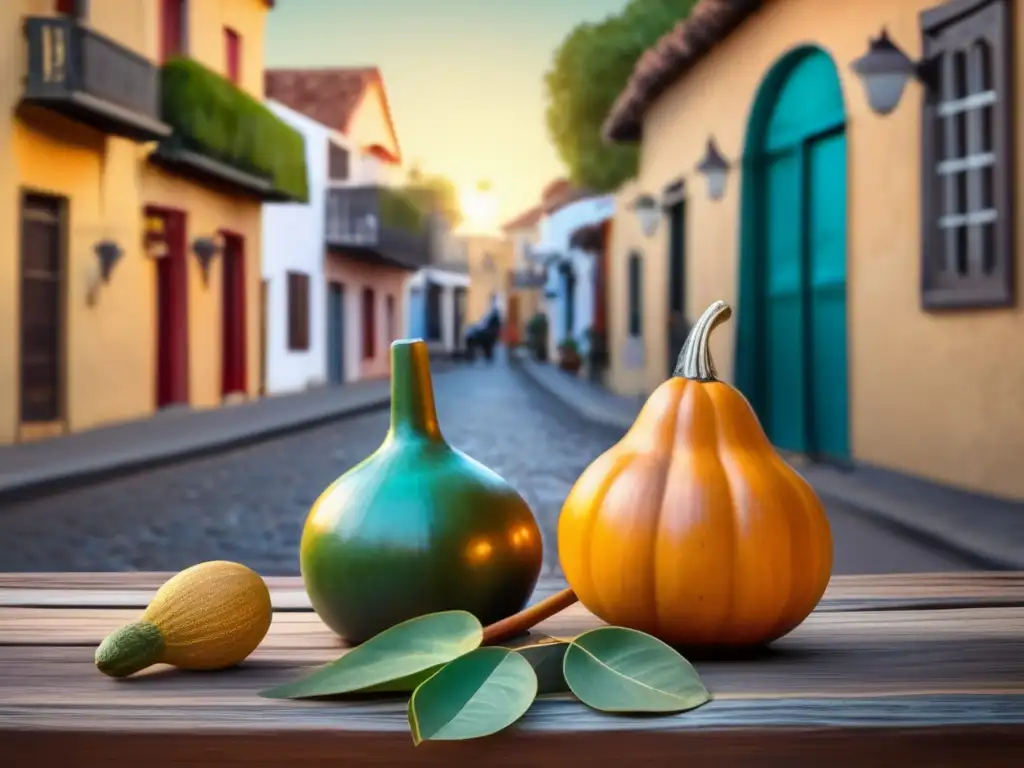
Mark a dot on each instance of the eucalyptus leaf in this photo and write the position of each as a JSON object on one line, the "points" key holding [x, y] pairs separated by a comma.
{"points": [[395, 661], [546, 658], [614, 669], [476, 695]]}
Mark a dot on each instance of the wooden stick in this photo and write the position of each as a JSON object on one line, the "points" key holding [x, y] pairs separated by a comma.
{"points": [[529, 617]]}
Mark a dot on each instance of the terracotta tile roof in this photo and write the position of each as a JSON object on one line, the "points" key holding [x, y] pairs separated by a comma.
{"points": [[678, 50], [560, 193], [329, 96], [527, 218]]}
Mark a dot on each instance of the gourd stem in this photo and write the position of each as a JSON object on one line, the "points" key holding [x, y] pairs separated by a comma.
{"points": [[694, 360], [130, 649], [529, 617], [412, 394]]}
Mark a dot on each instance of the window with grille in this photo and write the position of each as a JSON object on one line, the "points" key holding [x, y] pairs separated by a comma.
{"points": [[635, 294], [967, 228], [298, 311]]}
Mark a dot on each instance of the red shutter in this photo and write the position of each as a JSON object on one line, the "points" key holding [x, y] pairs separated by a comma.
{"points": [[369, 324], [172, 29], [233, 52]]}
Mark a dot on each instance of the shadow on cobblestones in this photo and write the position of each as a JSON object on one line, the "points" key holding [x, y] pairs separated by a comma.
{"points": [[249, 504]]}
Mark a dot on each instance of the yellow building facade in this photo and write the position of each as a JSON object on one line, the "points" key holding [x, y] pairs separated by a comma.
{"points": [[80, 178], [921, 334], [488, 260]]}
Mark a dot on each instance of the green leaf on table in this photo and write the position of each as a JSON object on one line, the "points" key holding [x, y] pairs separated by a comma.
{"points": [[395, 661], [476, 695], [546, 658], [614, 669]]}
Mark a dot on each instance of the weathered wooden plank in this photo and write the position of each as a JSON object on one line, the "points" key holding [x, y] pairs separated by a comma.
{"points": [[839, 733], [131, 590], [44, 676], [904, 585]]}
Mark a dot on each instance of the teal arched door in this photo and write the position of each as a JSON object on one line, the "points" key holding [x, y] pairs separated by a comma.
{"points": [[792, 344]]}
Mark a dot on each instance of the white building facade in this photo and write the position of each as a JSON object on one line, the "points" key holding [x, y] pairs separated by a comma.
{"points": [[569, 291], [293, 270]]}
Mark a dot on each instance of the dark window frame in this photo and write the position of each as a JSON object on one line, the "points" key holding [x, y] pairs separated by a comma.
{"points": [[949, 279], [78, 9], [369, 310], [339, 162], [634, 295], [298, 311]]}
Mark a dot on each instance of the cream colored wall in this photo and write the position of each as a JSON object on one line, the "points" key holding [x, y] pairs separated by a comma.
{"points": [[482, 282], [626, 237], [934, 395], [206, 214], [369, 122], [206, 44], [385, 281]]}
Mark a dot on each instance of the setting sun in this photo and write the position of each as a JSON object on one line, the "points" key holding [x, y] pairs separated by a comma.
{"points": [[479, 207]]}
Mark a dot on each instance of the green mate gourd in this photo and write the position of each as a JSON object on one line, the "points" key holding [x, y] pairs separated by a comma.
{"points": [[210, 616], [418, 527]]}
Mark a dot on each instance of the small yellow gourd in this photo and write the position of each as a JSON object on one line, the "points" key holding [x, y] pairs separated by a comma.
{"points": [[210, 616]]}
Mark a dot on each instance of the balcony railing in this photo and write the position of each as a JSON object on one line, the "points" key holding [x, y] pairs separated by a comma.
{"points": [[378, 223], [88, 77]]}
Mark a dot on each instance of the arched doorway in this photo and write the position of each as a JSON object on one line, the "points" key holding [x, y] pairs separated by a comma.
{"points": [[792, 344]]}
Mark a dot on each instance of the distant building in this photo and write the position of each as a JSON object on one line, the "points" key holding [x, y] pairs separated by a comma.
{"points": [[526, 281], [374, 235]]}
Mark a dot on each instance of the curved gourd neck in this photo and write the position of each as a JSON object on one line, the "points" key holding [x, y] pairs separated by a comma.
{"points": [[695, 361], [413, 413]]}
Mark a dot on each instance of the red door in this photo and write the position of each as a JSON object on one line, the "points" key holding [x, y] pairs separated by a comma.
{"points": [[172, 312], [233, 315]]}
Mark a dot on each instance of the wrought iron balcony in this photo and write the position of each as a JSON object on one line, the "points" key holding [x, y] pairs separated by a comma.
{"points": [[378, 224], [76, 71]]}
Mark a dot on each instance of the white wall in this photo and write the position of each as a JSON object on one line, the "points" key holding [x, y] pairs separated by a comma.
{"points": [[293, 240], [449, 281], [555, 231]]}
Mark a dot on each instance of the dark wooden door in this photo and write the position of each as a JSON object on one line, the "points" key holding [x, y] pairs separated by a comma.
{"points": [[42, 309], [336, 333], [264, 297], [459, 310], [172, 312], [678, 325], [233, 316]]}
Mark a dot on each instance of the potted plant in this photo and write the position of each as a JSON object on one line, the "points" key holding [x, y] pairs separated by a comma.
{"points": [[537, 336], [569, 359]]}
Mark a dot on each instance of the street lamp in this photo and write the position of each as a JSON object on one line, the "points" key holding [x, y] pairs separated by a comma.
{"points": [[648, 213], [885, 71], [715, 168]]}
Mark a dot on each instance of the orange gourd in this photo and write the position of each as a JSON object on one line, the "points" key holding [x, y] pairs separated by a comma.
{"points": [[692, 528]]}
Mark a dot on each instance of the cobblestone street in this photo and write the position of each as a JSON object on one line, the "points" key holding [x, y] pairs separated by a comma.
{"points": [[250, 504]]}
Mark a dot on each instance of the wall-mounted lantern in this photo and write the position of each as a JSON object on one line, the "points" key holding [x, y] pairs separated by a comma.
{"points": [[154, 237], [715, 169], [205, 248], [108, 253], [885, 71], [648, 213]]}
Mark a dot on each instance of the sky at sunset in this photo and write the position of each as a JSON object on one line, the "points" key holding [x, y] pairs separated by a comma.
{"points": [[464, 77]]}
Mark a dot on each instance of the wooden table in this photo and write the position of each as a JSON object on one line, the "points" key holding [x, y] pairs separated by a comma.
{"points": [[924, 670]]}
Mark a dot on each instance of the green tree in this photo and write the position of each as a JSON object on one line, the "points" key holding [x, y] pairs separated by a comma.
{"points": [[442, 194], [590, 68]]}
